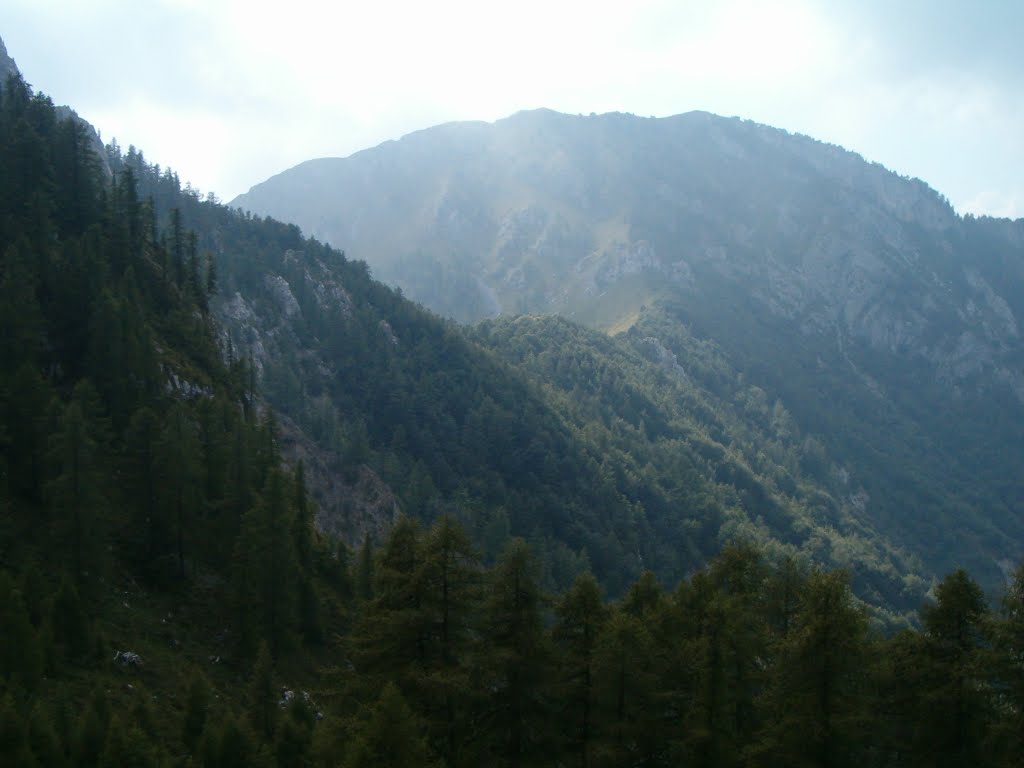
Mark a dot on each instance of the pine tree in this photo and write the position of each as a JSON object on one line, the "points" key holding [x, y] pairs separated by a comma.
{"points": [[68, 622], [197, 706], [176, 250], [142, 483], [626, 692], [389, 638], [263, 696], [515, 663], [820, 684], [126, 748], [955, 703], [294, 742], [716, 670], [24, 338], [43, 739], [364, 575], [180, 487], [265, 571], [302, 536], [449, 580], [582, 616], [91, 732], [14, 743], [1008, 656], [21, 660], [77, 494], [389, 735], [239, 748]]}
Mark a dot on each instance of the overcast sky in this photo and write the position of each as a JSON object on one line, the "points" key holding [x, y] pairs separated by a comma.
{"points": [[230, 92]]}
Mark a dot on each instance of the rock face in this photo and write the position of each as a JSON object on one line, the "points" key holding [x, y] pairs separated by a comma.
{"points": [[593, 217], [7, 65], [263, 323]]}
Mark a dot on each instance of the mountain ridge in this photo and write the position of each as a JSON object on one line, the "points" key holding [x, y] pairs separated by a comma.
{"points": [[859, 281]]}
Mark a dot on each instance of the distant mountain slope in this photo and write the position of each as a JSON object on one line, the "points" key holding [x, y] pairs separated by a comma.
{"points": [[886, 324], [591, 449]]}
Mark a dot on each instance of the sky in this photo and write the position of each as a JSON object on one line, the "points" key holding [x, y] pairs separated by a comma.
{"points": [[231, 92]]}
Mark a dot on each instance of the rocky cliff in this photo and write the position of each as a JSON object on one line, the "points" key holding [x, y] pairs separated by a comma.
{"points": [[7, 65]]}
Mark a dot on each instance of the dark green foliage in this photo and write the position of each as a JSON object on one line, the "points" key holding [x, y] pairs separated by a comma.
{"points": [[14, 743], [515, 667], [1008, 647], [43, 739], [90, 734], [625, 692], [68, 622], [197, 707], [387, 735], [263, 695], [127, 747], [953, 694], [389, 639], [179, 484], [21, 659], [582, 615], [266, 571], [236, 747], [294, 742], [819, 692], [450, 579], [364, 576]]}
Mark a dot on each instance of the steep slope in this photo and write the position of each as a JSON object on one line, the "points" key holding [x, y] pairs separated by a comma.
{"points": [[886, 324], [397, 409], [404, 407], [151, 539]]}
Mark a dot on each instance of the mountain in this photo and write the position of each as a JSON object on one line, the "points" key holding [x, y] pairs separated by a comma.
{"points": [[165, 598], [392, 409], [594, 451], [884, 323]]}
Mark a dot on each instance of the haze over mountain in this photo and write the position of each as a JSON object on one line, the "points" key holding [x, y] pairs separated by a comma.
{"points": [[885, 323], [604, 454]]}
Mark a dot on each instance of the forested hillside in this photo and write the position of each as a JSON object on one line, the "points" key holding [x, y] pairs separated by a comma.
{"points": [[166, 599], [390, 402], [883, 323]]}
